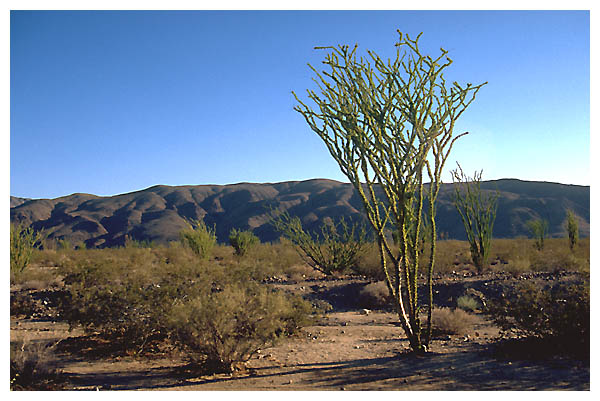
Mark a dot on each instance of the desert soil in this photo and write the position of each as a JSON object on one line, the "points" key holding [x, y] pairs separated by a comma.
{"points": [[345, 350]]}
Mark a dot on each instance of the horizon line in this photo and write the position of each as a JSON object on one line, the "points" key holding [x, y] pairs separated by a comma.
{"points": [[266, 183]]}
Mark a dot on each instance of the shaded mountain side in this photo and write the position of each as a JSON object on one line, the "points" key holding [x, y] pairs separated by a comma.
{"points": [[16, 201], [159, 213]]}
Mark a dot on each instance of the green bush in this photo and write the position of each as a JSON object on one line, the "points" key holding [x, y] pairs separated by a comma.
{"points": [[572, 229], [337, 248], [23, 241], [142, 298], [64, 244], [467, 303], [538, 229], [133, 243], [199, 238], [242, 241], [559, 313], [222, 328], [111, 297]]}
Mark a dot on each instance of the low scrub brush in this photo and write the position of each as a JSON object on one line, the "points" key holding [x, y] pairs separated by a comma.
{"points": [[33, 366], [451, 321]]}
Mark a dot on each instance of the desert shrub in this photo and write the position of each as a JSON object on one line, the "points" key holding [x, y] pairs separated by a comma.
{"points": [[538, 229], [242, 241], [301, 272], [370, 264], [104, 293], [467, 303], [129, 305], [199, 238], [478, 213], [282, 254], [517, 266], [450, 254], [451, 321], [553, 260], [33, 366], [22, 304], [64, 244], [338, 247], [559, 313], [131, 296], [23, 241], [48, 257], [133, 243], [572, 229], [374, 295], [517, 256], [225, 327]]}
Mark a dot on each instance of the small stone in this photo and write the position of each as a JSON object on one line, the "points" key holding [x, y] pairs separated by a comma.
{"points": [[365, 311]]}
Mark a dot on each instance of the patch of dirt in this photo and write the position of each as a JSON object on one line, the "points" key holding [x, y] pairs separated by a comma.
{"points": [[347, 349]]}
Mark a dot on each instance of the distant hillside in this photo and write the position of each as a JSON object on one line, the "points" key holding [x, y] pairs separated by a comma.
{"points": [[16, 201], [159, 213]]}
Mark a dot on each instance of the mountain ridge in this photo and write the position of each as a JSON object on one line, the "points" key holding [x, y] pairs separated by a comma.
{"points": [[158, 213]]}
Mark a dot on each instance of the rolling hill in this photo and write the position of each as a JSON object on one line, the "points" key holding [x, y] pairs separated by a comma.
{"points": [[160, 212]]}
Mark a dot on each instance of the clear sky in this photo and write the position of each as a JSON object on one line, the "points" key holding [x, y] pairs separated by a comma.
{"points": [[112, 102]]}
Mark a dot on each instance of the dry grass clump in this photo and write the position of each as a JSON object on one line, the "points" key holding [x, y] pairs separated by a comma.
{"points": [[468, 303], [450, 255], [301, 272], [451, 321], [374, 295], [33, 366], [517, 256], [516, 266], [370, 265]]}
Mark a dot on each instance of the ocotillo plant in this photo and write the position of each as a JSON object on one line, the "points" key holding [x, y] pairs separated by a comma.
{"points": [[387, 124], [339, 246], [242, 241], [23, 241], [572, 229], [538, 229], [199, 238], [478, 213]]}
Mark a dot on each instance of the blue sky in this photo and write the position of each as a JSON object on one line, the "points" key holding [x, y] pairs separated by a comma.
{"points": [[112, 102]]}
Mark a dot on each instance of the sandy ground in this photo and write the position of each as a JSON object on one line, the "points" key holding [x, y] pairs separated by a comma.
{"points": [[345, 350]]}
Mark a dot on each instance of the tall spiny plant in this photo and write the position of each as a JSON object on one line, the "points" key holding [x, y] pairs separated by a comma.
{"points": [[339, 246], [23, 241], [478, 213], [572, 229], [538, 229], [387, 124], [199, 238]]}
